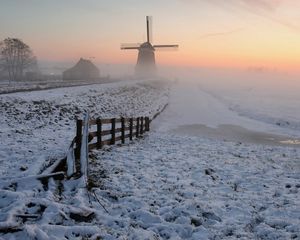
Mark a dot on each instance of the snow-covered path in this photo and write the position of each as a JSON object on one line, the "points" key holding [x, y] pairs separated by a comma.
{"points": [[192, 111]]}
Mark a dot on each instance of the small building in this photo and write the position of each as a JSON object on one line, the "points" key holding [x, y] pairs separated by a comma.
{"points": [[83, 70]]}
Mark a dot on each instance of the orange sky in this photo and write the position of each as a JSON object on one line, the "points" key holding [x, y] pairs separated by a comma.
{"points": [[235, 33]]}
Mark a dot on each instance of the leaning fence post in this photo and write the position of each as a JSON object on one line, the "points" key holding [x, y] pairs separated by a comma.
{"points": [[130, 128], [142, 126], [123, 130], [78, 138], [84, 150], [99, 133], [137, 126], [113, 131]]}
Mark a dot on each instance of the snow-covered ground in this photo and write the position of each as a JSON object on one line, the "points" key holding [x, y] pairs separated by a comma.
{"points": [[171, 184], [7, 87], [37, 127], [175, 187]]}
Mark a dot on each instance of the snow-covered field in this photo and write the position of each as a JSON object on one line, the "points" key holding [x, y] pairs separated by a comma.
{"points": [[163, 186], [171, 187], [37, 127], [7, 87]]}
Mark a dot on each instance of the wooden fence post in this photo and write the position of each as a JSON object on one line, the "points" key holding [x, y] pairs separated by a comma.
{"points": [[130, 128], [113, 131], [123, 130], [84, 151], [142, 126], [99, 132], [147, 124], [78, 138], [137, 127]]}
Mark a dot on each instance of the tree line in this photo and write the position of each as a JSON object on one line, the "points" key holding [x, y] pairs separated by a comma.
{"points": [[15, 58]]}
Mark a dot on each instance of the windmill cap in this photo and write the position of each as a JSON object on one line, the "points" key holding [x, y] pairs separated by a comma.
{"points": [[147, 45]]}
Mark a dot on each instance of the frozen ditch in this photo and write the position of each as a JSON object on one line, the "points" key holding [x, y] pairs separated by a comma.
{"points": [[193, 111]]}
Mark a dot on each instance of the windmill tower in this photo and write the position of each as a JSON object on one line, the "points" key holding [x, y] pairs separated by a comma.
{"points": [[145, 66]]}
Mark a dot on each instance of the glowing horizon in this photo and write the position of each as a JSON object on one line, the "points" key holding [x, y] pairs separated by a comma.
{"points": [[238, 33]]}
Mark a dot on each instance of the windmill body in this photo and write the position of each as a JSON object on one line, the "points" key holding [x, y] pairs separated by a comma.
{"points": [[145, 66]]}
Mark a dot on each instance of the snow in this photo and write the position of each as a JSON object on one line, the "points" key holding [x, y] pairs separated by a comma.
{"points": [[169, 184], [178, 187], [22, 86], [36, 128]]}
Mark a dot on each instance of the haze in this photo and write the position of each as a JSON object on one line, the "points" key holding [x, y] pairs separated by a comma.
{"points": [[228, 34]]}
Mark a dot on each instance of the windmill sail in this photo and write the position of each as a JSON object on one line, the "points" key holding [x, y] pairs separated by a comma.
{"points": [[173, 46], [149, 29], [125, 46]]}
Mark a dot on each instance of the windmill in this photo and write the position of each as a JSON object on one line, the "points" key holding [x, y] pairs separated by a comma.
{"points": [[145, 65]]}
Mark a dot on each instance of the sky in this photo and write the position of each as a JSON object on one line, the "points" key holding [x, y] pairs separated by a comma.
{"points": [[210, 33]]}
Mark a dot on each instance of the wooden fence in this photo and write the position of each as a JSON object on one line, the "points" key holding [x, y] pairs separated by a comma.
{"points": [[105, 132], [128, 128]]}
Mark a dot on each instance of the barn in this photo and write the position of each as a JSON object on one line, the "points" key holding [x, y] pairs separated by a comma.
{"points": [[83, 70]]}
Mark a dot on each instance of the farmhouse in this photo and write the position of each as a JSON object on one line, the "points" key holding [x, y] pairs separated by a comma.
{"points": [[83, 70]]}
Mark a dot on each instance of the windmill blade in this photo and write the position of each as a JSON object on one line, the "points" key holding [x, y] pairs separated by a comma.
{"points": [[168, 47], [125, 46], [149, 28]]}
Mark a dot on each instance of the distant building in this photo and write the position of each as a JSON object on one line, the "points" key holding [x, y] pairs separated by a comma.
{"points": [[83, 70]]}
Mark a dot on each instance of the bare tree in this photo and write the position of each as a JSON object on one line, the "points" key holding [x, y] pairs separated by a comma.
{"points": [[15, 57]]}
